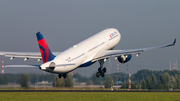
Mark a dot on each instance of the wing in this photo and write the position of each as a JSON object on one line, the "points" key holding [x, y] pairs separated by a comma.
{"points": [[25, 55], [109, 53]]}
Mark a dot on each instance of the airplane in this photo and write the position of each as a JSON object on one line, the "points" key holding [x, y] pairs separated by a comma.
{"points": [[99, 48]]}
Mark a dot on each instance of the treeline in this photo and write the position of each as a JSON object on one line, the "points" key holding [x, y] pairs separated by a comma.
{"points": [[33, 78], [144, 79], [143, 74]]}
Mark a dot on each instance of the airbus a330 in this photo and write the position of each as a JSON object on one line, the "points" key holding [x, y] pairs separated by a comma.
{"points": [[99, 48]]}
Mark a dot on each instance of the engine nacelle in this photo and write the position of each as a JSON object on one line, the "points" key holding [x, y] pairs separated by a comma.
{"points": [[124, 58]]}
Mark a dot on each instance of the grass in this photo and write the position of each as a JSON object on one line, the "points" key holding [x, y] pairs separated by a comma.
{"points": [[89, 96]]}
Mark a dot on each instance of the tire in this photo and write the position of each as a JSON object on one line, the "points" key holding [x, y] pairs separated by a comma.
{"points": [[102, 74], [104, 70], [97, 74], [99, 70], [59, 75], [64, 75]]}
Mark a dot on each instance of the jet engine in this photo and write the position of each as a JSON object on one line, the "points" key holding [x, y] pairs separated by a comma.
{"points": [[124, 58]]}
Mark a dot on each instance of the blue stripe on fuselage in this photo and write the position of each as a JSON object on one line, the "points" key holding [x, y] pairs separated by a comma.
{"points": [[86, 64]]}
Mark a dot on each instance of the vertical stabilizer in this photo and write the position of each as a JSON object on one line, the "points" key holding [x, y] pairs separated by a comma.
{"points": [[44, 49]]}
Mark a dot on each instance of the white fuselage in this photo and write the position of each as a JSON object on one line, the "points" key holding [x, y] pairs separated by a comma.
{"points": [[82, 53]]}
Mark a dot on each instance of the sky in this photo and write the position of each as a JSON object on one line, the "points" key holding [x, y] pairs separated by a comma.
{"points": [[65, 23]]}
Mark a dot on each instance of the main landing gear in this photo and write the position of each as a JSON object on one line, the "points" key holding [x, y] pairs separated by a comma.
{"points": [[62, 75], [101, 71]]}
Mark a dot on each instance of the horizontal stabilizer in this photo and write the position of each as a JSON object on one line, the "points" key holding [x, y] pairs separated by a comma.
{"points": [[22, 66]]}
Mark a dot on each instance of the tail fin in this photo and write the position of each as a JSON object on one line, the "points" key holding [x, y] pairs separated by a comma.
{"points": [[44, 49]]}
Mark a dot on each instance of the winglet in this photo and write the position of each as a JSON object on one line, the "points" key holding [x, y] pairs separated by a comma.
{"points": [[174, 42]]}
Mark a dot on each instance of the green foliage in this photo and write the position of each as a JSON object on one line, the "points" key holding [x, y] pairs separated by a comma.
{"points": [[177, 78], [164, 80], [68, 81], [80, 78], [61, 82], [58, 82], [143, 84], [97, 81], [15, 78], [109, 82], [41, 77], [153, 80], [24, 81], [150, 82], [159, 80], [172, 82], [3, 80], [120, 77]]}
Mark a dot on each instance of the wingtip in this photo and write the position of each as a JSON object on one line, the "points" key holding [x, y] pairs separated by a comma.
{"points": [[174, 42]]}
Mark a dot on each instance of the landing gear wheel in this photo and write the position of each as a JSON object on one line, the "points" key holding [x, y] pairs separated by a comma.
{"points": [[104, 70], [102, 74], [98, 74], [59, 75], [99, 70], [64, 75]]}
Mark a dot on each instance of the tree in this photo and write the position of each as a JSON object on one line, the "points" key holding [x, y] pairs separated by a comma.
{"points": [[3, 80], [153, 81], [68, 81], [58, 82], [97, 81], [148, 83], [164, 80], [143, 84], [24, 81], [61, 82], [172, 82], [80, 78], [177, 78], [109, 82]]}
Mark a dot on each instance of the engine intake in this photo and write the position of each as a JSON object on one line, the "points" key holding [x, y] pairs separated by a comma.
{"points": [[124, 58]]}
